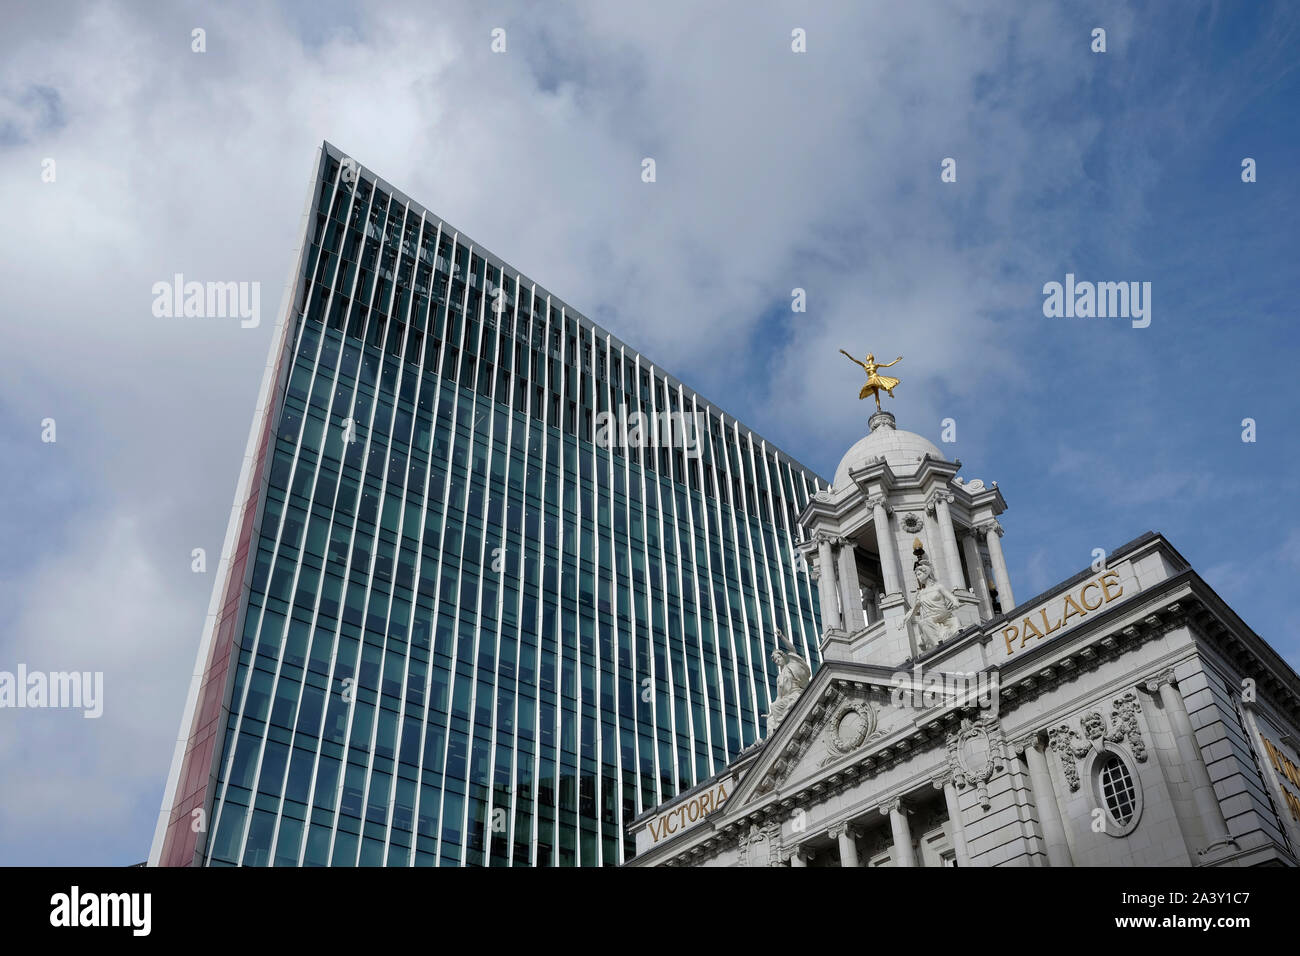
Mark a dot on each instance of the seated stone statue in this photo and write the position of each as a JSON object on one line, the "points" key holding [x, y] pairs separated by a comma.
{"points": [[933, 616], [792, 677]]}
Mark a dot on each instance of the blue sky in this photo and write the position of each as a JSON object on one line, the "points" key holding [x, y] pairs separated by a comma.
{"points": [[775, 171]]}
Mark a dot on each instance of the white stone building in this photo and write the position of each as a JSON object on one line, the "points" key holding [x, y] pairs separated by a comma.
{"points": [[1124, 717]]}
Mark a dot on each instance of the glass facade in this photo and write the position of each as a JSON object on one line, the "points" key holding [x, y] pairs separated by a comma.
{"points": [[469, 634]]}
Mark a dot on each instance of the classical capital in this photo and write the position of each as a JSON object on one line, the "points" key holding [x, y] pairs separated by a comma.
{"points": [[942, 780], [893, 806], [821, 537], [880, 501], [932, 502], [985, 528], [1156, 681], [839, 830], [1025, 741]]}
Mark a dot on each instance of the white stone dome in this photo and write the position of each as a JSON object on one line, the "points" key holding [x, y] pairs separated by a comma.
{"points": [[902, 450]]}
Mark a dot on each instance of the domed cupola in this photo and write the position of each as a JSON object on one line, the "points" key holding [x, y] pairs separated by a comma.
{"points": [[897, 526], [903, 450]]}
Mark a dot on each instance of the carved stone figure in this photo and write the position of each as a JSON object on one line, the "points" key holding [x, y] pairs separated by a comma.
{"points": [[792, 677], [932, 618]]}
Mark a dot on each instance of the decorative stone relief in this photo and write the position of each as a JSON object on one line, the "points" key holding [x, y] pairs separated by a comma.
{"points": [[761, 845], [852, 723], [1123, 718], [976, 752], [912, 522], [1124, 727]]}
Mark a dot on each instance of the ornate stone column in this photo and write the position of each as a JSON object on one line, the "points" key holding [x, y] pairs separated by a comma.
{"points": [[897, 813], [885, 543], [1208, 809], [975, 565], [938, 504], [843, 832], [799, 856], [993, 533], [826, 583], [1049, 812], [850, 589], [949, 789]]}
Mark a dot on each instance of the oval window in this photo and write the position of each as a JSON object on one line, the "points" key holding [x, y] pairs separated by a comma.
{"points": [[1117, 790]]}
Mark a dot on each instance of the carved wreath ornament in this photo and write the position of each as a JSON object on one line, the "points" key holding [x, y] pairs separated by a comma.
{"points": [[912, 523], [850, 726], [1124, 726]]}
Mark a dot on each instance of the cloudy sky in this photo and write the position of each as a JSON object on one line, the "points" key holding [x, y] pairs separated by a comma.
{"points": [[775, 170]]}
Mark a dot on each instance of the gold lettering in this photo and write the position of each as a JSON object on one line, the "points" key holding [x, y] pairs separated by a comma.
{"points": [[1077, 612], [680, 817], [1106, 583], [1009, 634], [1083, 596], [1026, 626], [1292, 803], [1272, 754], [1283, 765], [1046, 628]]}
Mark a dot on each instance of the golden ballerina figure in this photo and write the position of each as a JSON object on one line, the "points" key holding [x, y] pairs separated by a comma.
{"points": [[875, 383]]}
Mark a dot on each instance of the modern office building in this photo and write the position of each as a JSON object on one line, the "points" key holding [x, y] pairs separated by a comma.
{"points": [[493, 583]]}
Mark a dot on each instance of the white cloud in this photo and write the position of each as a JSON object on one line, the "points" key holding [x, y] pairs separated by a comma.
{"points": [[74, 785]]}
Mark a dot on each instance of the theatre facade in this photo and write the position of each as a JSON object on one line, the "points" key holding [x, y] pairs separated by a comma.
{"points": [[1125, 717]]}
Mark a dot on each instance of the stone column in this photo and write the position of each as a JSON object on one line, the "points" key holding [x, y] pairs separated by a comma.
{"points": [[885, 543], [1049, 812], [954, 816], [975, 566], [993, 533], [1189, 754], [850, 589], [848, 846], [826, 583], [897, 813], [798, 857], [938, 503]]}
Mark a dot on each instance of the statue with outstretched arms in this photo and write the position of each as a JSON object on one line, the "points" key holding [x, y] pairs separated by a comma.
{"points": [[875, 383]]}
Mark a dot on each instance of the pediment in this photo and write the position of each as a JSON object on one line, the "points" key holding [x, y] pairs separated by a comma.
{"points": [[838, 716]]}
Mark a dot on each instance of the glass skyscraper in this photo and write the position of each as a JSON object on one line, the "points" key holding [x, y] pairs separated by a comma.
{"points": [[450, 626]]}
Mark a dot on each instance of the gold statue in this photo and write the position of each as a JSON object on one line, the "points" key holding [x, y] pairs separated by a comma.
{"points": [[876, 383]]}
